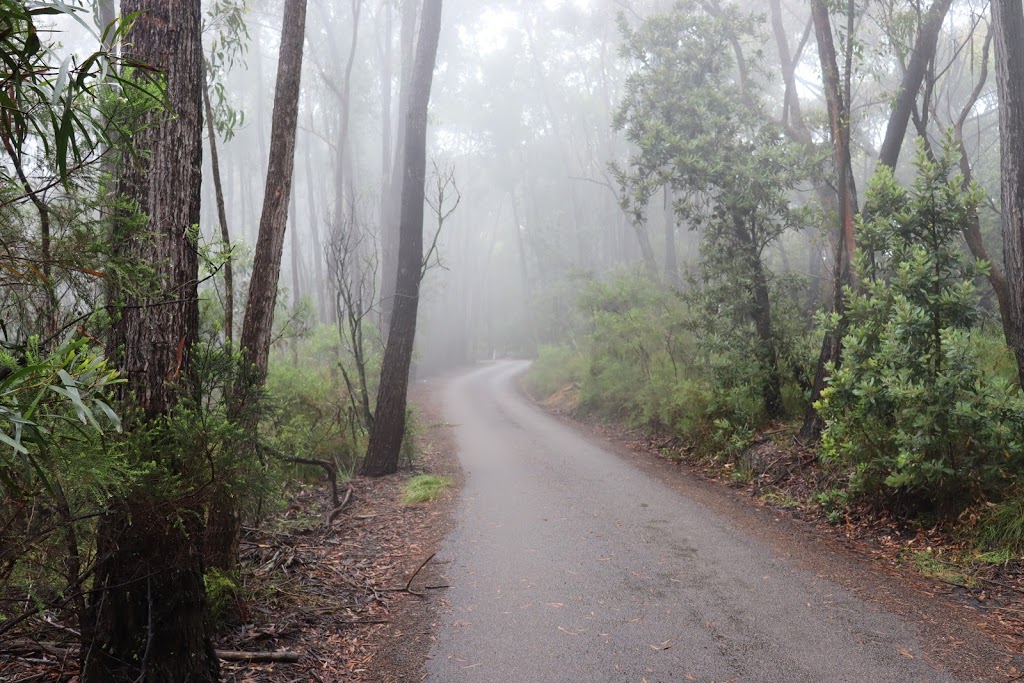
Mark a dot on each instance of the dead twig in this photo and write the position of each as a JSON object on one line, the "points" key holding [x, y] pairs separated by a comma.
{"points": [[408, 584]]}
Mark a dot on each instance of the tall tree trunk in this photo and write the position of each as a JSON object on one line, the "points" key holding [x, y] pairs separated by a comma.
{"points": [[386, 61], [643, 239], [324, 315], [391, 220], [924, 51], [222, 218], [222, 540], [837, 98], [972, 231], [1008, 24], [266, 268], [388, 430], [344, 113], [295, 249], [524, 272], [771, 388], [148, 605]]}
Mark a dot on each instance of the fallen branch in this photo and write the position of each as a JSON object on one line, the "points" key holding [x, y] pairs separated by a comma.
{"points": [[258, 657], [339, 507], [329, 467]]}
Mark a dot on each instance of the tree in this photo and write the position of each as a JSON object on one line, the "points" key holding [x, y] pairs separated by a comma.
{"points": [[148, 601], [913, 77], [1008, 24], [388, 429], [838, 94], [839, 104], [699, 129], [391, 209], [257, 326], [910, 410], [266, 269]]}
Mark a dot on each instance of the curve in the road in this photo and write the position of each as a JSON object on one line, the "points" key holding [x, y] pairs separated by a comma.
{"points": [[568, 563]]}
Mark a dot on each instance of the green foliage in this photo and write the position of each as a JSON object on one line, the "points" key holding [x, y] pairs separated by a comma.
{"points": [[554, 368], [311, 412], [834, 501], [51, 100], [1001, 526], [910, 410], [700, 128], [229, 41], [48, 403], [423, 488], [221, 593]]}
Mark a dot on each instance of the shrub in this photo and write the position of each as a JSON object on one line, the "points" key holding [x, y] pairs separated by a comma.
{"points": [[910, 410], [554, 368]]}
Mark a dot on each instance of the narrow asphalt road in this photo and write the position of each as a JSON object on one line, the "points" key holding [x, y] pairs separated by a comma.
{"points": [[568, 563]]}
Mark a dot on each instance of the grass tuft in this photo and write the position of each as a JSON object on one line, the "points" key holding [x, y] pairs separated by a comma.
{"points": [[1002, 526], [424, 487]]}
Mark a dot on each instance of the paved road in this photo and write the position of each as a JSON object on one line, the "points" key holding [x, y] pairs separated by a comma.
{"points": [[567, 563]]}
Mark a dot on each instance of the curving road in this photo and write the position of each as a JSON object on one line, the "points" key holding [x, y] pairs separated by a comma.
{"points": [[568, 563]]}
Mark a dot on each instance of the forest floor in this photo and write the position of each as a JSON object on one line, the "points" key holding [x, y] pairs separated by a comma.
{"points": [[342, 601], [779, 474], [352, 600]]}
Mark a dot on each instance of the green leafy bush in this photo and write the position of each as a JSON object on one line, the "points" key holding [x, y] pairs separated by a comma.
{"points": [[910, 409]]}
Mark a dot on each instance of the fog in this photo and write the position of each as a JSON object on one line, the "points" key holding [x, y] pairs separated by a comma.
{"points": [[521, 126]]}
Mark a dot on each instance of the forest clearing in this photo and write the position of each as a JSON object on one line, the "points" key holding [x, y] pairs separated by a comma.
{"points": [[266, 266]]}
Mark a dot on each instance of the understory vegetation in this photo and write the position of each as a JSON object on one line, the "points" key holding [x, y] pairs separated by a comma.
{"points": [[876, 335], [924, 415]]}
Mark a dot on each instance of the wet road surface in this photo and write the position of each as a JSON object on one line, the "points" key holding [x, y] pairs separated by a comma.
{"points": [[567, 563]]}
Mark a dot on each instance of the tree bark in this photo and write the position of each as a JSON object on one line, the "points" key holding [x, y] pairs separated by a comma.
{"points": [[972, 231], [344, 113], [223, 536], [388, 430], [1008, 24], [266, 269], [320, 284], [148, 606], [771, 388], [671, 255]]}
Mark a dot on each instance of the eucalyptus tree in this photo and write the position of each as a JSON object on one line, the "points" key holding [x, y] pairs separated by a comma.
{"points": [[389, 418], [148, 598], [224, 524], [263, 286]]}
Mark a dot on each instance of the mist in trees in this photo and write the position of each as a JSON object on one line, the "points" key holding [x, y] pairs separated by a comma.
{"points": [[237, 231]]}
